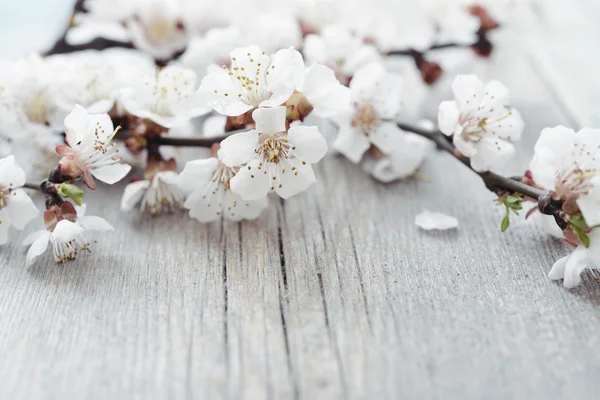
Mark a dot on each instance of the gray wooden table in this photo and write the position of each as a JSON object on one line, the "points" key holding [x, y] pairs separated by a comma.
{"points": [[334, 293]]}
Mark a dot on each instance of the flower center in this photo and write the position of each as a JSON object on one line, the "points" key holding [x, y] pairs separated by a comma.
{"points": [[250, 78], [162, 197], [36, 110], [474, 127], [365, 118], [272, 147], [160, 30], [65, 251], [4, 193], [572, 183]]}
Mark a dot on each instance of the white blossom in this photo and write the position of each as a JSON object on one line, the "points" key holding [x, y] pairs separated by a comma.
{"points": [[481, 122], [208, 182], [568, 164], [16, 207], [324, 93], [89, 27], [272, 158], [570, 267], [89, 151], [402, 162], [157, 194], [66, 235], [166, 97], [156, 27], [211, 48], [337, 48], [376, 99], [253, 80]]}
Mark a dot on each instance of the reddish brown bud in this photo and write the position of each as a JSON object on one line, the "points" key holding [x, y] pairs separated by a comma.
{"points": [[487, 23], [483, 47], [376, 153], [239, 122], [430, 71], [298, 107], [136, 143]]}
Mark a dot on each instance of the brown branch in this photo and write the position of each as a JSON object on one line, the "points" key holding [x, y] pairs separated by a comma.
{"points": [[498, 184]]}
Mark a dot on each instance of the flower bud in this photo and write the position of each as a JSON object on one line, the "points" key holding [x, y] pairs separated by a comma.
{"points": [[430, 71], [298, 107], [69, 168], [487, 23]]}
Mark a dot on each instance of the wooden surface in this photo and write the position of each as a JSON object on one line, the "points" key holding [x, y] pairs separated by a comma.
{"points": [[333, 294]]}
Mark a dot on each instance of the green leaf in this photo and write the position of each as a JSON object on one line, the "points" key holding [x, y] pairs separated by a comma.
{"points": [[511, 199], [505, 223]]}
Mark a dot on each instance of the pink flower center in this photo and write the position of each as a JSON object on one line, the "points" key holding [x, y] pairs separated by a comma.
{"points": [[365, 118]]}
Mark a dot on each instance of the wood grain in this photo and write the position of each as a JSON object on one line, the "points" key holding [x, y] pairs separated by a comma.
{"points": [[332, 294]]}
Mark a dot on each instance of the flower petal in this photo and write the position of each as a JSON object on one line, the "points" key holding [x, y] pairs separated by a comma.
{"points": [[284, 75], [492, 154], [309, 143], [251, 183], [11, 174], [93, 223], [387, 137], [468, 91], [238, 149], [133, 194], [213, 88], [270, 120], [76, 125], [4, 227], [197, 174], [297, 178], [201, 207], [21, 209], [38, 247], [111, 173], [429, 220], [351, 142], [589, 204], [448, 117], [576, 264], [558, 269], [65, 231]]}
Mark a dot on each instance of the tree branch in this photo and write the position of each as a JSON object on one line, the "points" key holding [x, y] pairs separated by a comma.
{"points": [[496, 183]]}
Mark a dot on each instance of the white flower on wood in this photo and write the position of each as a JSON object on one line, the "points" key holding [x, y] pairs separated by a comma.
{"points": [[481, 122], [376, 99], [66, 228], [166, 97], [89, 151], [16, 207], [271, 157], [209, 183]]}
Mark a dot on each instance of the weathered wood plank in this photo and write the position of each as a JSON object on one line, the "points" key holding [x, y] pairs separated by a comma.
{"points": [[332, 294]]}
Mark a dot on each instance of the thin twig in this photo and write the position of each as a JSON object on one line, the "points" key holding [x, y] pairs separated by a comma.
{"points": [[33, 186], [413, 52], [496, 183]]}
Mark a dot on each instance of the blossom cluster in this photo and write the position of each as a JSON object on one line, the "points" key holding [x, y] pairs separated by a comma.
{"points": [[262, 83]]}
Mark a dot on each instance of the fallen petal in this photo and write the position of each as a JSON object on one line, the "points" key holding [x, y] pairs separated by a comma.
{"points": [[434, 220]]}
